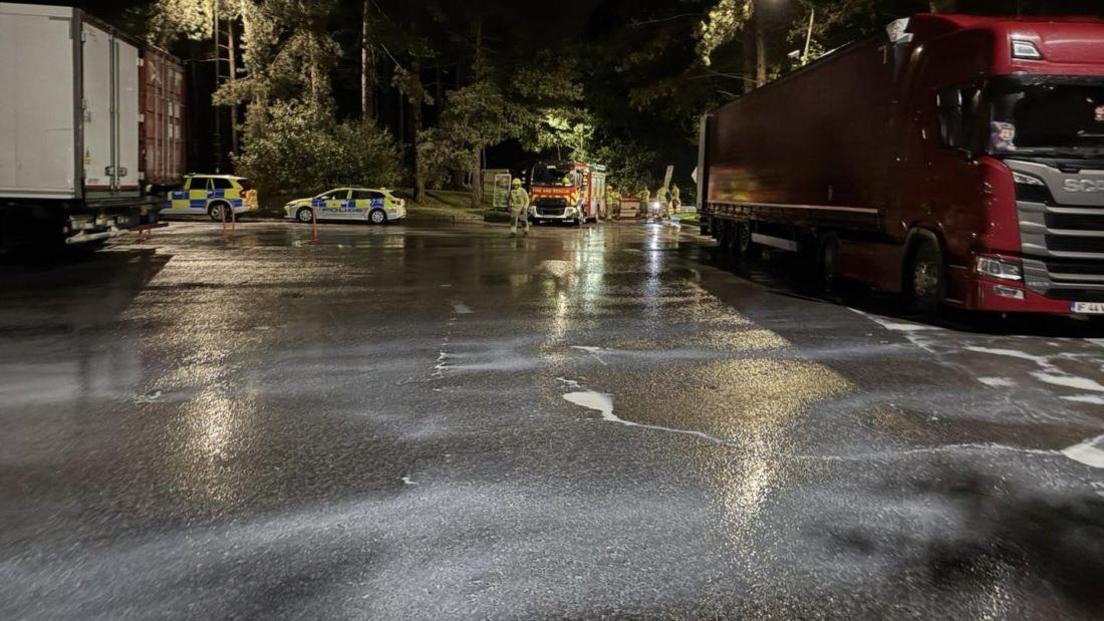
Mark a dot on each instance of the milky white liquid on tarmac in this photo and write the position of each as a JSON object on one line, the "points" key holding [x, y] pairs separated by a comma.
{"points": [[603, 403]]}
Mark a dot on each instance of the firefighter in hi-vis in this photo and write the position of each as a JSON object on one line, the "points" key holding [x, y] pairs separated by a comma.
{"points": [[645, 210], [663, 197], [519, 207]]}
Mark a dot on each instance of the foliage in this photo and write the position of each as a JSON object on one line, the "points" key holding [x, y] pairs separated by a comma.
{"points": [[440, 158], [173, 19], [552, 116], [720, 25], [303, 150], [631, 167], [569, 132], [474, 117]]}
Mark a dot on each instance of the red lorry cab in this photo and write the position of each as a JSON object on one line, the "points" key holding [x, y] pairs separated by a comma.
{"points": [[960, 161]]}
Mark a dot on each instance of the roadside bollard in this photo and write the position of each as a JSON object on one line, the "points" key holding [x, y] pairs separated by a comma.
{"points": [[233, 222]]}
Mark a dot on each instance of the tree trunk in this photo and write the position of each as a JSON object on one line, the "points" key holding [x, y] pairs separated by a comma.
{"points": [[232, 51], [477, 63], [477, 179], [367, 67], [416, 122], [760, 49], [748, 49]]}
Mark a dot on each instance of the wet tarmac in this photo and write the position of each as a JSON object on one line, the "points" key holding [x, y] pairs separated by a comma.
{"points": [[410, 422]]}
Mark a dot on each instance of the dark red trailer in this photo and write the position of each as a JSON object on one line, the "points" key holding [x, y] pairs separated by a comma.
{"points": [[162, 100], [959, 161]]}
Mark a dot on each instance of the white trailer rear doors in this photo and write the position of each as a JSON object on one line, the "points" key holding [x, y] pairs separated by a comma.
{"points": [[37, 103], [110, 114]]}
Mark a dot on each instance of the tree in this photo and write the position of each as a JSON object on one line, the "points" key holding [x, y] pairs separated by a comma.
{"points": [[474, 117], [170, 20], [409, 84], [296, 152], [721, 25], [368, 75]]}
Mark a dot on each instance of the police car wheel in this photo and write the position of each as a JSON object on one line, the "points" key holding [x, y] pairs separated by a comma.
{"points": [[215, 212], [377, 217], [305, 215]]}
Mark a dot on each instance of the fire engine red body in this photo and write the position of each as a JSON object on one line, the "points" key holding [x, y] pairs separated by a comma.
{"points": [[568, 191], [880, 156]]}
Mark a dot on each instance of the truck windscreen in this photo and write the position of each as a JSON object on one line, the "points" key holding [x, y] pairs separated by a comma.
{"points": [[1064, 118], [547, 174]]}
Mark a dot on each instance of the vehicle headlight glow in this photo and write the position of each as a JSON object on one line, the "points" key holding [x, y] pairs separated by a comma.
{"points": [[999, 268], [1023, 179]]}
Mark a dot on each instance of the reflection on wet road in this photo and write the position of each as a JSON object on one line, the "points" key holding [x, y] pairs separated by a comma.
{"points": [[425, 423]]}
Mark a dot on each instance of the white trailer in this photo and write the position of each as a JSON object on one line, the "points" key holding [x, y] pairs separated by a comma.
{"points": [[69, 123]]}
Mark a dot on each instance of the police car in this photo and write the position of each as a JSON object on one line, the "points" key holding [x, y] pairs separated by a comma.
{"points": [[211, 194], [357, 204]]}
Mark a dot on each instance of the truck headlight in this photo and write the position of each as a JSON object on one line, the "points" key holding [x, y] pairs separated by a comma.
{"points": [[1023, 179], [999, 268], [570, 210]]}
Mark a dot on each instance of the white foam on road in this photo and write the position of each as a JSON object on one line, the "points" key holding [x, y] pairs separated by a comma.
{"points": [[149, 397], [593, 351], [895, 325], [1070, 381], [1088, 453], [461, 309], [1093, 399], [408, 481], [442, 364], [1042, 361], [997, 382], [603, 403]]}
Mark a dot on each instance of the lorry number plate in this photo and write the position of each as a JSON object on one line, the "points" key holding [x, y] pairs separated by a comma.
{"points": [[1088, 308]]}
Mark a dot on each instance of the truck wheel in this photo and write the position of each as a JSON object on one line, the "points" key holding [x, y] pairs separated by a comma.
{"points": [[828, 263], [305, 215], [926, 283]]}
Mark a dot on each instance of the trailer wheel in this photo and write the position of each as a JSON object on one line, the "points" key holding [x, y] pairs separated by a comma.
{"points": [[725, 235], [743, 238], [926, 279], [828, 263]]}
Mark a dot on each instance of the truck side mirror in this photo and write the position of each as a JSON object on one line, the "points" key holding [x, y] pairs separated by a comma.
{"points": [[948, 103]]}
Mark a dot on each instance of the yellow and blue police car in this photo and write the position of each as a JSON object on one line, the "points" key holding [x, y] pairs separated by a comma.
{"points": [[211, 194], [377, 206]]}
